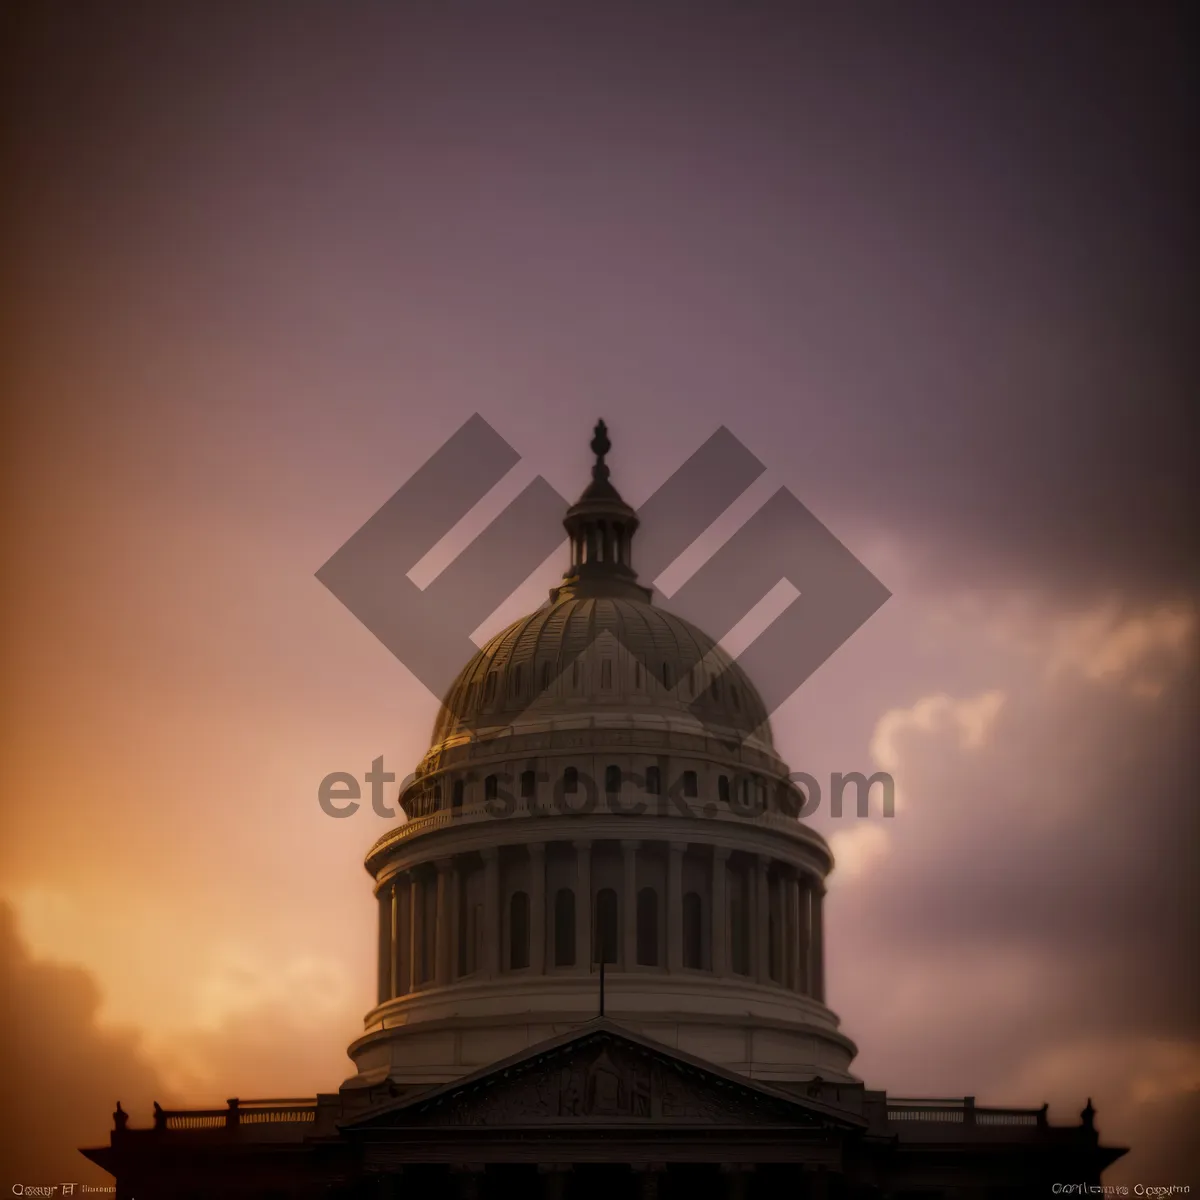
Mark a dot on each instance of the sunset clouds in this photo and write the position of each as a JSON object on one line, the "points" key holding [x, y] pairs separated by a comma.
{"points": [[932, 272]]}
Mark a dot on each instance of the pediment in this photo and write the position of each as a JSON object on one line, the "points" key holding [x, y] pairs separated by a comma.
{"points": [[601, 1077]]}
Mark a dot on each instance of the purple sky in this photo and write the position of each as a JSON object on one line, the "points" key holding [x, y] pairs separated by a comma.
{"points": [[933, 264]]}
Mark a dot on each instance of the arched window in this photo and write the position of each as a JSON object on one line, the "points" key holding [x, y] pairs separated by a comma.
{"points": [[606, 926], [571, 781], [518, 931], [456, 799], [693, 932], [689, 783], [612, 780], [647, 928], [723, 788], [490, 788], [564, 928], [653, 781], [528, 784]]}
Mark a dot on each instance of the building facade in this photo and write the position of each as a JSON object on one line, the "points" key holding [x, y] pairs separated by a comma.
{"points": [[601, 956]]}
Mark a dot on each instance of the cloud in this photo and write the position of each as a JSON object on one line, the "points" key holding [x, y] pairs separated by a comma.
{"points": [[63, 1071], [264, 1029], [1028, 933]]}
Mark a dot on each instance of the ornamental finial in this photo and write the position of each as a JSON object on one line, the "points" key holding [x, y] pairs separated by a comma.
{"points": [[600, 443]]}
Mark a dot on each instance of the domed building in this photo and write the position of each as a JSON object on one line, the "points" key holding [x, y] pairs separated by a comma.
{"points": [[601, 955], [601, 787]]}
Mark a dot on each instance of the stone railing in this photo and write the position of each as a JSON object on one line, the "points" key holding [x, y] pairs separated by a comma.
{"points": [[477, 811], [235, 1114], [962, 1112]]}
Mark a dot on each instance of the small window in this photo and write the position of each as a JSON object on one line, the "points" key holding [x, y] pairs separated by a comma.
{"points": [[653, 781], [564, 928], [689, 784], [647, 928], [606, 673], [457, 798], [528, 784], [570, 781], [490, 788], [723, 789], [518, 932], [612, 780]]}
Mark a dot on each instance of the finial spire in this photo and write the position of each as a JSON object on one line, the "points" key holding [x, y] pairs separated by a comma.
{"points": [[600, 447], [601, 526]]}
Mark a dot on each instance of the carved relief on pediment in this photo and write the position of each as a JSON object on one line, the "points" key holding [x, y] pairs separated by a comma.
{"points": [[611, 1084]]}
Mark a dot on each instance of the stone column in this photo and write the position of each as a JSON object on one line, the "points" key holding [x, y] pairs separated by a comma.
{"points": [[629, 857], [385, 943], [537, 908], [491, 910], [720, 912], [736, 1180], [675, 906], [818, 942], [416, 927], [649, 1174], [762, 918], [804, 948], [441, 959], [394, 949], [554, 1179], [793, 933], [583, 906], [456, 922]]}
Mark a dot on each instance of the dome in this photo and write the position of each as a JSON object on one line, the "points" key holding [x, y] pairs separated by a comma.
{"points": [[602, 792], [603, 656]]}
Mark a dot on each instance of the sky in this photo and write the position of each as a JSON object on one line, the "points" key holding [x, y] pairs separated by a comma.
{"points": [[933, 264]]}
